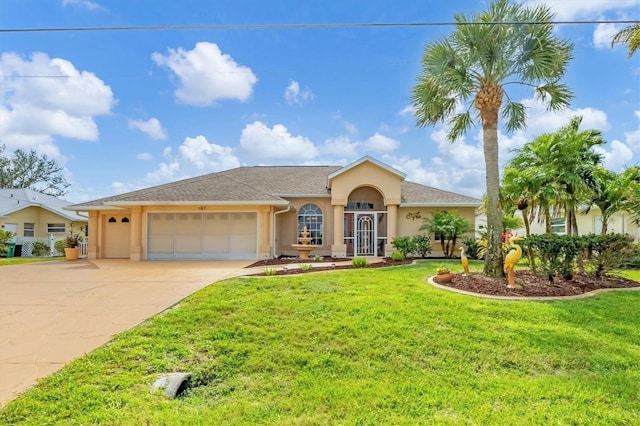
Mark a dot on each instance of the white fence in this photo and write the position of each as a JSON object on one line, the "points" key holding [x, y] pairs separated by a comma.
{"points": [[47, 247]]}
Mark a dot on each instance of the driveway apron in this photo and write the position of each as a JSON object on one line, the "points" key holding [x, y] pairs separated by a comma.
{"points": [[54, 312]]}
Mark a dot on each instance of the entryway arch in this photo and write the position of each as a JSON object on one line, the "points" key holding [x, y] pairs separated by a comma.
{"points": [[365, 222]]}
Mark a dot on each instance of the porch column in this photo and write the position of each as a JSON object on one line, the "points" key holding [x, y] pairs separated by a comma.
{"points": [[392, 228], [338, 249], [136, 234], [93, 249]]}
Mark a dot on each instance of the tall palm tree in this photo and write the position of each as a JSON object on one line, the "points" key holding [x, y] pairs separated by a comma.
{"points": [[507, 44], [629, 35]]}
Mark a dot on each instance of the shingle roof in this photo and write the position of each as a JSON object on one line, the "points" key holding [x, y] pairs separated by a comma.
{"points": [[267, 185], [16, 199]]}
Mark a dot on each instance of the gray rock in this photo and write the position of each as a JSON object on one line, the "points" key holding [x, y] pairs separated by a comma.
{"points": [[174, 384]]}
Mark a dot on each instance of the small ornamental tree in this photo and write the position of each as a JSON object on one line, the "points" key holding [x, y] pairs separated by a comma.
{"points": [[447, 227]]}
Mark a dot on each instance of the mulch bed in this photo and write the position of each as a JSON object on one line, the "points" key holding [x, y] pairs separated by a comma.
{"points": [[272, 263], [536, 285]]}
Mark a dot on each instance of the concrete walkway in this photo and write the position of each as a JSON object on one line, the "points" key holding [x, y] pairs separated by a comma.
{"points": [[54, 312]]}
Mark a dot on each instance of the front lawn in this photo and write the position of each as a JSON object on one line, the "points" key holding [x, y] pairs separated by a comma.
{"points": [[21, 260], [363, 347]]}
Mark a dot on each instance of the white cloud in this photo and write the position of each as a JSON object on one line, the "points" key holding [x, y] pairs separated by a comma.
{"points": [[206, 156], [151, 127], [206, 75], [342, 146], [261, 143], [81, 3], [572, 9], [407, 111], [380, 143], [540, 121], [618, 157], [62, 101], [294, 96], [603, 34], [145, 156]]}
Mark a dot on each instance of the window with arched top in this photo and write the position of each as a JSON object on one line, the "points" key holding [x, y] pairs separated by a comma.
{"points": [[125, 220], [112, 220], [310, 216]]}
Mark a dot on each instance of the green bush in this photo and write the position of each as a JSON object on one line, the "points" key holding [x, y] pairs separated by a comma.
{"points": [[404, 245], [557, 253], [421, 244], [306, 267], [607, 252], [471, 247], [270, 271], [397, 256], [60, 245], [5, 239], [359, 262], [40, 249]]}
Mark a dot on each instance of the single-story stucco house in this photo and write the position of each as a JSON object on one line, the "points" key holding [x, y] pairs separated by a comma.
{"points": [[259, 212], [33, 216]]}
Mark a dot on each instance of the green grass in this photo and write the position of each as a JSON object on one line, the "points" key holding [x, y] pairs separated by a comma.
{"points": [[358, 347], [4, 261], [632, 274]]}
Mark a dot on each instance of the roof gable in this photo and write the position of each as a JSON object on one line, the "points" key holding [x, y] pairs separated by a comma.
{"points": [[357, 163], [15, 199]]}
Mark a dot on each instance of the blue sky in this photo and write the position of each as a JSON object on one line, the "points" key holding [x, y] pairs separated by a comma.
{"points": [[123, 110]]}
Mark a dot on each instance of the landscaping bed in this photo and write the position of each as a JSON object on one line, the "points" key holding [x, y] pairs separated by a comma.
{"points": [[536, 285]]}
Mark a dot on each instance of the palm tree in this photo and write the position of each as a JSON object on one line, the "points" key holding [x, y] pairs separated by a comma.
{"points": [[507, 44], [573, 163], [447, 226], [615, 193], [629, 35]]}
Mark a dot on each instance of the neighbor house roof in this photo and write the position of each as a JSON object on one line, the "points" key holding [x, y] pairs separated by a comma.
{"points": [[264, 185], [16, 199]]}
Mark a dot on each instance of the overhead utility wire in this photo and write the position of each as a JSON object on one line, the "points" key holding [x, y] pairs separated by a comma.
{"points": [[294, 26]]}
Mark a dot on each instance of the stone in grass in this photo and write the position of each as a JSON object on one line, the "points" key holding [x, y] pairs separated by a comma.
{"points": [[174, 384]]}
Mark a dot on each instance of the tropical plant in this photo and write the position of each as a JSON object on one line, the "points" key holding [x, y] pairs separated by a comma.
{"points": [[508, 44], [629, 35], [40, 249], [471, 247], [397, 256], [60, 245], [608, 252], [615, 192], [448, 227], [404, 245], [421, 244], [270, 271], [360, 262], [5, 239]]}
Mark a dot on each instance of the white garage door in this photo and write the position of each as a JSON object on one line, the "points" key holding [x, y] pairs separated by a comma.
{"points": [[192, 236]]}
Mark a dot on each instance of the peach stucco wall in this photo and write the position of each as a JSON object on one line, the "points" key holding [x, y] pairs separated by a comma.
{"points": [[40, 217], [366, 174]]}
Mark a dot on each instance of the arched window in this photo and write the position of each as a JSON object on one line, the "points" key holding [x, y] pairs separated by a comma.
{"points": [[310, 216]]}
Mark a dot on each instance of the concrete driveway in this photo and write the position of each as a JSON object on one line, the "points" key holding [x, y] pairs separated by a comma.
{"points": [[54, 312]]}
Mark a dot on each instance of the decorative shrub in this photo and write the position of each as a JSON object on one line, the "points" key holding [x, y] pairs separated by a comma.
{"points": [[471, 247], [404, 245], [442, 270], [306, 267], [5, 239], [40, 249], [270, 271], [59, 246], [557, 253], [397, 256], [607, 252], [421, 244], [359, 262], [318, 258], [73, 239]]}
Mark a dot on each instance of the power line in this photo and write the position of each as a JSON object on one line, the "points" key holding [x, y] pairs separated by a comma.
{"points": [[298, 26]]}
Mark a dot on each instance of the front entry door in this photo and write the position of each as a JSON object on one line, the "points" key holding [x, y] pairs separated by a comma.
{"points": [[365, 235]]}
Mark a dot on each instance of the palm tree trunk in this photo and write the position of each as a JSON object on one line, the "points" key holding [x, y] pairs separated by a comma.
{"points": [[547, 219], [488, 101], [527, 230]]}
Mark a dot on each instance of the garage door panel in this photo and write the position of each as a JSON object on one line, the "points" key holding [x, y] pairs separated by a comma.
{"points": [[202, 236]]}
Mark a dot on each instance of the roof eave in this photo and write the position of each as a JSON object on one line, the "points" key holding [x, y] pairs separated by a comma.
{"points": [[199, 203], [362, 160], [461, 204]]}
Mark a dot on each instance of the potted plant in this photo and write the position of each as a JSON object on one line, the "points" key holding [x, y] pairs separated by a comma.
{"points": [[72, 241], [443, 275]]}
